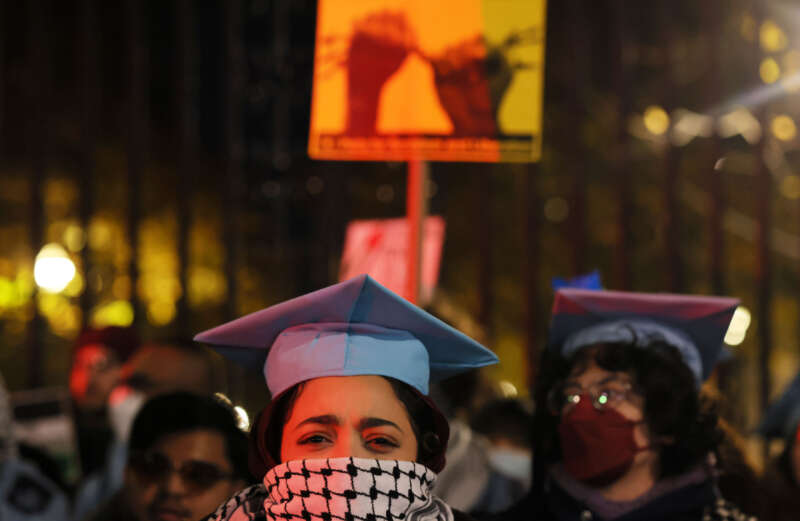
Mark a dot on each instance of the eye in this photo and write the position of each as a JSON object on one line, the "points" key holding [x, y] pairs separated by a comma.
{"points": [[381, 443], [314, 439]]}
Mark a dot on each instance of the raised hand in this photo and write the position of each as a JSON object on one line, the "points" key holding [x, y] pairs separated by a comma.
{"points": [[470, 82], [378, 46]]}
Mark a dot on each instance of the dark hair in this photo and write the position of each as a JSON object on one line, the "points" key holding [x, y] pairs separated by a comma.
{"points": [[673, 407], [180, 412], [420, 415]]}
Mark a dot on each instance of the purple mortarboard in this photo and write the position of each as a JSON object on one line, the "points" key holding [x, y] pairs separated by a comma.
{"points": [[356, 327], [783, 416], [694, 325]]}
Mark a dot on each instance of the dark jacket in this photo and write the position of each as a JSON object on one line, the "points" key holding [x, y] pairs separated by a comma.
{"points": [[693, 502], [781, 493]]}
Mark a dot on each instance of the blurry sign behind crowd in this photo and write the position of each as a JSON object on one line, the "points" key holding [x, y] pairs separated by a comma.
{"points": [[379, 247], [450, 80]]}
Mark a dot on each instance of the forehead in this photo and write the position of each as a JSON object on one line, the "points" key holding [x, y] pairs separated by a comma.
{"points": [[199, 445], [348, 397], [590, 373]]}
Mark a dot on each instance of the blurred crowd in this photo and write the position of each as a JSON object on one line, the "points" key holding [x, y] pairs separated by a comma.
{"points": [[623, 428]]}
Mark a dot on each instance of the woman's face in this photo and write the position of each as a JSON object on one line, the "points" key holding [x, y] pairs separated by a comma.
{"points": [[341, 416], [631, 407]]}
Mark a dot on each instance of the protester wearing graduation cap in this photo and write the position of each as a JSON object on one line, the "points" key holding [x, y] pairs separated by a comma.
{"points": [[781, 481], [350, 433], [620, 430]]}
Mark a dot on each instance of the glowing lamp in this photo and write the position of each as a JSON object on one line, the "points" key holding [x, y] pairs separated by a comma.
{"points": [[53, 268]]}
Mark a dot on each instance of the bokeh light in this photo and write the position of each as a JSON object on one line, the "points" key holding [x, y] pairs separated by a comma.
{"points": [[656, 120], [385, 193], [507, 389], [114, 313], [315, 185], [790, 187], [738, 328], [783, 127], [556, 209], [769, 70], [63, 317], [771, 37], [74, 237], [53, 268]]}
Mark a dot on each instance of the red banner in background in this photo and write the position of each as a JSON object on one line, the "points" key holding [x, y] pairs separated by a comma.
{"points": [[379, 247], [450, 80]]}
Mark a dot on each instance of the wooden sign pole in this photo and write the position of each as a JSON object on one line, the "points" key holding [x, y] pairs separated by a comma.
{"points": [[416, 210]]}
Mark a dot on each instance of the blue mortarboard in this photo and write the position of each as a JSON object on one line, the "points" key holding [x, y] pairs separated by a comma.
{"points": [[356, 327], [782, 417], [695, 325], [589, 280]]}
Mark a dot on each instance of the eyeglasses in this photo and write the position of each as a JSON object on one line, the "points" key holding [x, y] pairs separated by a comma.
{"points": [[609, 392], [197, 476]]}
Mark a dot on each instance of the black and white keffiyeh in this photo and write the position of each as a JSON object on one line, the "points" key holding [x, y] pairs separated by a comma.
{"points": [[340, 489]]}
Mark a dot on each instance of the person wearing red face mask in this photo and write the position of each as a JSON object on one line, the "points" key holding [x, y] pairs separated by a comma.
{"points": [[622, 432]]}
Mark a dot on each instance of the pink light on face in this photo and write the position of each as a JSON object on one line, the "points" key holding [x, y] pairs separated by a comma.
{"points": [[93, 364]]}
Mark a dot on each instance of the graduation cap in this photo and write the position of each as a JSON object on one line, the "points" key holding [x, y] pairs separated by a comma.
{"points": [[783, 416], [694, 325], [356, 327], [589, 280]]}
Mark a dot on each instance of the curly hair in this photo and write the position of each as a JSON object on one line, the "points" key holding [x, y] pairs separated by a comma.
{"points": [[674, 410]]}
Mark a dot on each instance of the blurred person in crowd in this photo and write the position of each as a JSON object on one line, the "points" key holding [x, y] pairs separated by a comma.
{"points": [[506, 423], [737, 477], [781, 480], [470, 482], [153, 369], [97, 359], [625, 434], [186, 456], [351, 432], [25, 492]]}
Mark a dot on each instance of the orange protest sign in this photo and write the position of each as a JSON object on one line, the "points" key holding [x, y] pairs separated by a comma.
{"points": [[448, 80]]}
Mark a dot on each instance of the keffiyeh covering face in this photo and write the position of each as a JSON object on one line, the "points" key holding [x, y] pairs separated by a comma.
{"points": [[341, 489]]}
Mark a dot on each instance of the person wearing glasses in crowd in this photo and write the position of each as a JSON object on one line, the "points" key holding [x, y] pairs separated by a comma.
{"points": [[622, 432], [350, 434], [186, 455]]}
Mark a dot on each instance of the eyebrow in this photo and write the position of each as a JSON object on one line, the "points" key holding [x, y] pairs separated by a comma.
{"points": [[325, 419], [365, 423], [368, 423]]}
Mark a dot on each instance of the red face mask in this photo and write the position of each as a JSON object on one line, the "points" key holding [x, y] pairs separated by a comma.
{"points": [[597, 446]]}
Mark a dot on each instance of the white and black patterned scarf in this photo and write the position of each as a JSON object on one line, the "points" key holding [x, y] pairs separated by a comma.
{"points": [[340, 489]]}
